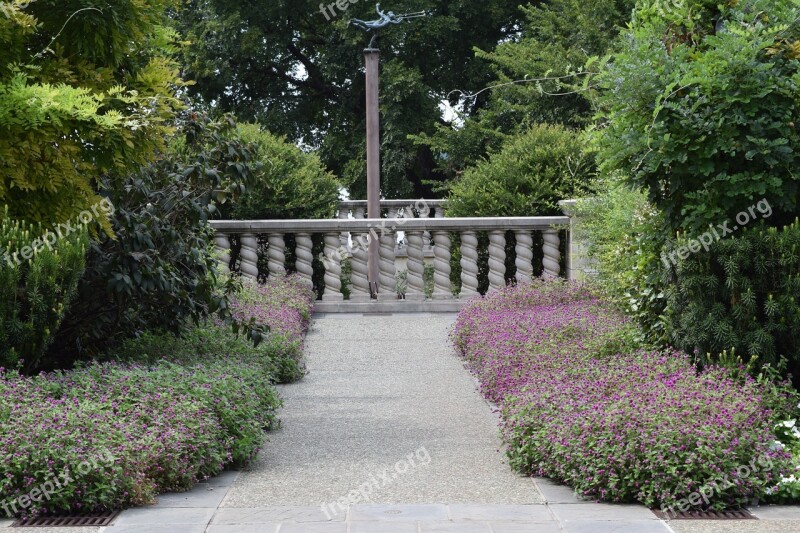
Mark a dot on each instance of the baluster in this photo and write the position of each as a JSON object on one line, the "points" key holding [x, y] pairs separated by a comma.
{"points": [[276, 254], [388, 272], [497, 259], [249, 255], [361, 212], [552, 253], [469, 264], [344, 214], [524, 261], [416, 266], [333, 269], [222, 246], [441, 266], [360, 273], [305, 258]]}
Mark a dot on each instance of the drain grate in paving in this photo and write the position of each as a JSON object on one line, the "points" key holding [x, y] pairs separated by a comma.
{"points": [[707, 515], [72, 520]]}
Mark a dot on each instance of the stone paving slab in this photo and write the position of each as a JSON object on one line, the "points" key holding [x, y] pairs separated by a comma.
{"points": [[776, 512], [208, 494], [146, 517], [556, 493]]}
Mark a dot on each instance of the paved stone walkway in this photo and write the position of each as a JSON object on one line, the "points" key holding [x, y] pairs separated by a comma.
{"points": [[388, 434]]}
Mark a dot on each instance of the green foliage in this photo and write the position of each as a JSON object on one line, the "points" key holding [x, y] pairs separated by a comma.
{"points": [[623, 230], [699, 108], [539, 77], [289, 184], [141, 431], [246, 61], [743, 295], [38, 282], [211, 343], [528, 177], [86, 90], [160, 270]]}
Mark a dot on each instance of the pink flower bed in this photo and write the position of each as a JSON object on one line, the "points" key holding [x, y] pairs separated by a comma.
{"points": [[582, 405]]}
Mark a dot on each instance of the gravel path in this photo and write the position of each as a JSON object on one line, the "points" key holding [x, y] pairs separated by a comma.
{"points": [[387, 408]]}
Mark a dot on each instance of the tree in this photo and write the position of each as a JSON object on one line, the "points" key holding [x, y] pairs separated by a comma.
{"points": [[288, 184], [159, 271], [539, 76], [299, 74], [528, 177], [86, 89], [700, 106]]}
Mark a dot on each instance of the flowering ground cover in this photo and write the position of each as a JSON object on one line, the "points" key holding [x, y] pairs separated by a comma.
{"points": [[116, 434], [583, 404]]}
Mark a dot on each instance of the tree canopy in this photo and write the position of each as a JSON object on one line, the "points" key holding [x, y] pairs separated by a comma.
{"points": [[87, 88], [284, 64]]}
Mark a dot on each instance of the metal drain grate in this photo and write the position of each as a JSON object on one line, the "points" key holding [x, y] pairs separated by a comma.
{"points": [[707, 515], [73, 520]]}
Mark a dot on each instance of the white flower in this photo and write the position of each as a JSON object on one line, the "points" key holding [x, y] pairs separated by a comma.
{"points": [[789, 423], [777, 446]]}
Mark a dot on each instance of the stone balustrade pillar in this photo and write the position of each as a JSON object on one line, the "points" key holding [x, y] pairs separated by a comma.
{"points": [[524, 251], [388, 271], [333, 269], [441, 266], [416, 266], [359, 287], [552, 253], [305, 258], [276, 254], [222, 247], [497, 259], [469, 264], [249, 255]]}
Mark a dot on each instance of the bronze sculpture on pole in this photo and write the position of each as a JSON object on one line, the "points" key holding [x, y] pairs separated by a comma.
{"points": [[372, 60]]}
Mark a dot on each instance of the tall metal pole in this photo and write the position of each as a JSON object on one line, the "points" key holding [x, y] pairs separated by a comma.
{"points": [[372, 62]]}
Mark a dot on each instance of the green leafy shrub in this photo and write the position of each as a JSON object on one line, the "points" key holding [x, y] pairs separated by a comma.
{"points": [[281, 305], [527, 177], [290, 183], [538, 77], [700, 108], [211, 343], [159, 271], [35, 293], [80, 100], [743, 295], [623, 232]]}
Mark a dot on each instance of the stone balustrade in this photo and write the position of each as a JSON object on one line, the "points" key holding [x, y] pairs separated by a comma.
{"points": [[421, 292], [392, 208]]}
